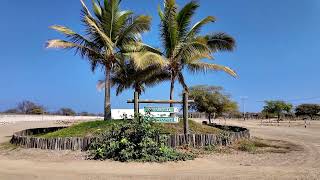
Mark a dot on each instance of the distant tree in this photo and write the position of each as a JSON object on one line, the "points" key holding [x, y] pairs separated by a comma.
{"points": [[310, 110], [211, 100], [11, 111], [84, 114], [25, 107], [277, 108], [37, 110], [28, 107], [67, 112]]}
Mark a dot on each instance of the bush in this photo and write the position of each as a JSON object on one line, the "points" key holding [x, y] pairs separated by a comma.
{"points": [[137, 140], [67, 112], [247, 145]]}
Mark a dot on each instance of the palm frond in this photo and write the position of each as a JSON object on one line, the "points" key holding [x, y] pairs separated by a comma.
{"points": [[168, 27], [160, 13], [184, 17], [157, 78], [188, 51], [85, 9], [73, 36], [132, 31], [109, 17], [144, 59], [204, 67], [92, 54], [85, 51], [97, 9], [121, 20], [199, 56], [61, 44], [220, 42], [139, 47], [64, 30], [197, 27], [107, 41]]}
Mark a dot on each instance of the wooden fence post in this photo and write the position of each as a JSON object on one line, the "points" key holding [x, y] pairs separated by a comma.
{"points": [[185, 113], [136, 103]]}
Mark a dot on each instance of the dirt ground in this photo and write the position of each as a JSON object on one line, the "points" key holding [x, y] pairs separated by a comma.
{"points": [[25, 164]]}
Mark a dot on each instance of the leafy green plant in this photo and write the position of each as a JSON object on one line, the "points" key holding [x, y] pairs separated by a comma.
{"points": [[210, 148], [136, 140], [247, 145]]}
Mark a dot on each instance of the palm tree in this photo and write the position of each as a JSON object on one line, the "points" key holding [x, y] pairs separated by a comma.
{"points": [[183, 46], [108, 32], [128, 76], [138, 79]]}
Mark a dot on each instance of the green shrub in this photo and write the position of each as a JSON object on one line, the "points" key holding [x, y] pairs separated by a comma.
{"points": [[247, 145], [136, 140], [210, 148]]}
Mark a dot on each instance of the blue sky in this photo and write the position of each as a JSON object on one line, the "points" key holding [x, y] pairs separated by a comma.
{"points": [[276, 55]]}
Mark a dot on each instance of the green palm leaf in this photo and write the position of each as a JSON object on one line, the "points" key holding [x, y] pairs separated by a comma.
{"points": [[197, 27], [204, 67], [220, 42], [184, 18]]}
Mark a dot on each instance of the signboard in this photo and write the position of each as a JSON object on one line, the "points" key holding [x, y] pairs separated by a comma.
{"points": [[161, 109], [167, 119], [162, 114]]}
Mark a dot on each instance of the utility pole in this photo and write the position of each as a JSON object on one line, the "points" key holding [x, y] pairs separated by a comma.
{"points": [[243, 100]]}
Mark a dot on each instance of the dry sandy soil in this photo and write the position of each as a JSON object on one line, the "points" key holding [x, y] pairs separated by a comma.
{"points": [[301, 164]]}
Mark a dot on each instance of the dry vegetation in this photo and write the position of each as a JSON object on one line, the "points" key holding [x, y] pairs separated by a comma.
{"points": [[258, 145]]}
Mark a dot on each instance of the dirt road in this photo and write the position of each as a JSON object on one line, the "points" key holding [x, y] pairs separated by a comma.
{"points": [[303, 164]]}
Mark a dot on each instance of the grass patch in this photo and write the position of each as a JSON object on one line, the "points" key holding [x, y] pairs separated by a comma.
{"points": [[7, 146], [83, 129], [195, 128], [256, 145], [94, 128]]}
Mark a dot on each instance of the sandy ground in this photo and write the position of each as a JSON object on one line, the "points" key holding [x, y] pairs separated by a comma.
{"points": [[302, 164]]}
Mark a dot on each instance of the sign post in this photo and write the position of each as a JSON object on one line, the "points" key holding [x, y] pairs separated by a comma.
{"points": [[185, 113]]}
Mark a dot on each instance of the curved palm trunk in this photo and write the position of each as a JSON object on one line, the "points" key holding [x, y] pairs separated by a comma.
{"points": [[107, 104], [172, 93], [172, 89]]}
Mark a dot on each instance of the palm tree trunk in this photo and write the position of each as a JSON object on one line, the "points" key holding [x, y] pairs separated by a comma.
{"points": [[172, 89], [107, 104]]}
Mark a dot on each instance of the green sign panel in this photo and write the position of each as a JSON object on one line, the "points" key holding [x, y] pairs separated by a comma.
{"points": [[160, 109], [167, 119]]}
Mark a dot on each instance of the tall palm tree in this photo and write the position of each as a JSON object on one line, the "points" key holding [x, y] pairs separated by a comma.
{"points": [[108, 32], [184, 46]]}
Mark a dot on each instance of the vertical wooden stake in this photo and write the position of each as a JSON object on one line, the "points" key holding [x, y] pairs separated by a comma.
{"points": [[185, 113], [136, 103]]}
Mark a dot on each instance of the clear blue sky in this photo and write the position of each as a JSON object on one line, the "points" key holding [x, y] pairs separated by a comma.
{"points": [[277, 55]]}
